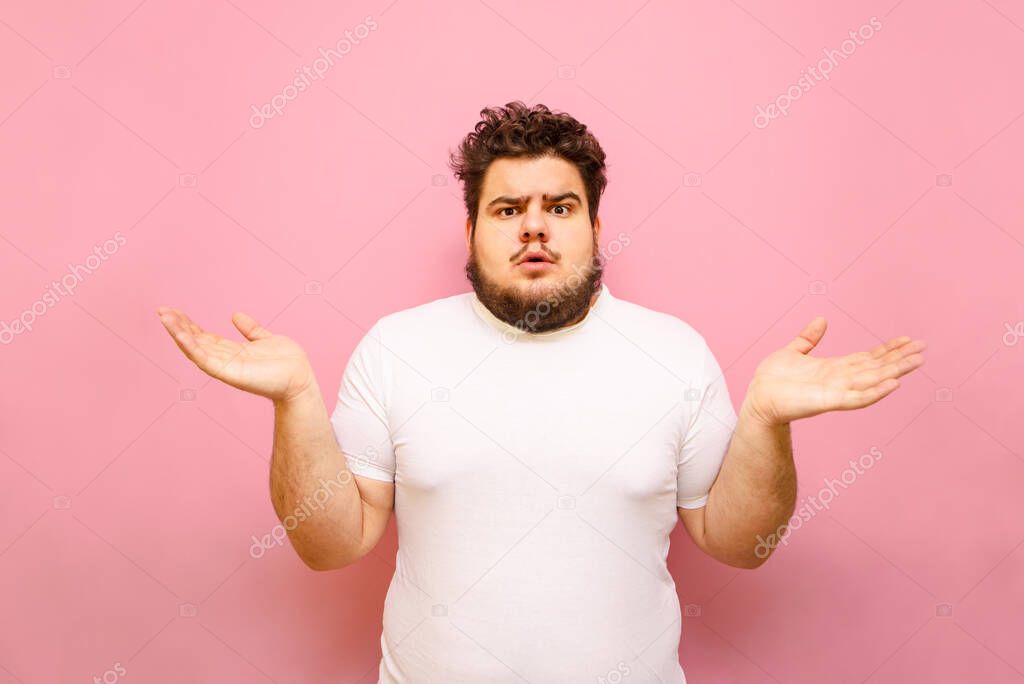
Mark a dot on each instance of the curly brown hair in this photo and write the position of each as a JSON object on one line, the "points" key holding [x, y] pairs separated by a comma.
{"points": [[516, 130]]}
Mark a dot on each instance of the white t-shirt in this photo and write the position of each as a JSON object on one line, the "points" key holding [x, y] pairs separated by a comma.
{"points": [[536, 484]]}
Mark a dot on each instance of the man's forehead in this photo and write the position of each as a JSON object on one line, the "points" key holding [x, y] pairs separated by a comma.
{"points": [[506, 177]]}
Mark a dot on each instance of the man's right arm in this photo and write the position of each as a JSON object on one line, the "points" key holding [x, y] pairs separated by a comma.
{"points": [[343, 528], [339, 517]]}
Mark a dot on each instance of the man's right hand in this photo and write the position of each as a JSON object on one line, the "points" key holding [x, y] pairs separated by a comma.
{"points": [[270, 365]]}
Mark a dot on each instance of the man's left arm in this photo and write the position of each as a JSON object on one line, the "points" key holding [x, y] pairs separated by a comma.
{"points": [[754, 494]]}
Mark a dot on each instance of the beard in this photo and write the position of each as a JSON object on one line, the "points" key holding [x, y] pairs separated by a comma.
{"points": [[539, 307]]}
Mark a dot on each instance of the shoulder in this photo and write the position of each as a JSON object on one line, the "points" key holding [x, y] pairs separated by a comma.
{"points": [[428, 333], [423, 318], [421, 344], [670, 340], [656, 328]]}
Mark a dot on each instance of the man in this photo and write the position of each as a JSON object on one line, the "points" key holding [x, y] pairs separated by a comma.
{"points": [[537, 438]]}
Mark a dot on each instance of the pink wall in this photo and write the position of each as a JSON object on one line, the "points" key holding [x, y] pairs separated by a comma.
{"points": [[887, 198]]}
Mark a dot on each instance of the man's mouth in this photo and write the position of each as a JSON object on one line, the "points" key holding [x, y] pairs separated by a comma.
{"points": [[534, 257], [535, 265]]}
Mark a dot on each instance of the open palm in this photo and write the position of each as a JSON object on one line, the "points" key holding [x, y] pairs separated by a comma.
{"points": [[270, 365], [790, 384]]}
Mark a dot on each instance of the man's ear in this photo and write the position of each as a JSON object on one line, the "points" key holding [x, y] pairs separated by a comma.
{"points": [[469, 232], [597, 229]]}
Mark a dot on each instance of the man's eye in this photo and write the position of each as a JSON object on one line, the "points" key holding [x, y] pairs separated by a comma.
{"points": [[568, 209]]}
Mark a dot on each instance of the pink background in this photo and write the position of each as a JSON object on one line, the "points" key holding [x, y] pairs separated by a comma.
{"points": [[888, 199]]}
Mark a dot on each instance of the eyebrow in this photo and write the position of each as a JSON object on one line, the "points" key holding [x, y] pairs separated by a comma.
{"points": [[505, 199]]}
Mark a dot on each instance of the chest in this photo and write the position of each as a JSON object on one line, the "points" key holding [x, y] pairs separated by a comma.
{"points": [[569, 429]]}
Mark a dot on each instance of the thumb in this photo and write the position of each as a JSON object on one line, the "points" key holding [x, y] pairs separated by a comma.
{"points": [[249, 326], [810, 336]]}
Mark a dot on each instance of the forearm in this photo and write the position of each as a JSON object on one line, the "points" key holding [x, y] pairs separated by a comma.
{"points": [[313, 492], [754, 494]]}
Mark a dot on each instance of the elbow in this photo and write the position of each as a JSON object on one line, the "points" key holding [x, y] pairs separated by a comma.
{"points": [[320, 563], [746, 559], [742, 562], [754, 558], [749, 563], [319, 558]]}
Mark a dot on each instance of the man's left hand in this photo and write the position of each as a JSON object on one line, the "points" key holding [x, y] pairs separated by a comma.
{"points": [[790, 384]]}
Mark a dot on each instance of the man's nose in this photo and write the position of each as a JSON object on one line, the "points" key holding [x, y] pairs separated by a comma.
{"points": [[534, 226]]}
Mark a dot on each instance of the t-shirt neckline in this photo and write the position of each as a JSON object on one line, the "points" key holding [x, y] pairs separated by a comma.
{"points": [[511, 332]]}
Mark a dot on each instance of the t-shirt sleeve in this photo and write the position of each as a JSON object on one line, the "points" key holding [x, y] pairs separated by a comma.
{"points": [[711, 426], [360, 417]]}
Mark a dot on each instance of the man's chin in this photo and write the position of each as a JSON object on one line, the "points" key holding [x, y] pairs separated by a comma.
{"points": [[535, 288]]}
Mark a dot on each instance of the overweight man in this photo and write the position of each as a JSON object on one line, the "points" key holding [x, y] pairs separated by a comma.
{"points": [[537, 438]]}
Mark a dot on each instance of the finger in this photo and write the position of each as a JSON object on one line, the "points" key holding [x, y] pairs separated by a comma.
{"points": [[903, 366], [189, 324], [203, 348], [175, 323], [893, 356], [884, 353], [170, 321], [867, 378], [855, 399], [249, 326], [906, 350], [181, 320], [190, 347], [886, 347], [809, 336], [179, 345]]}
